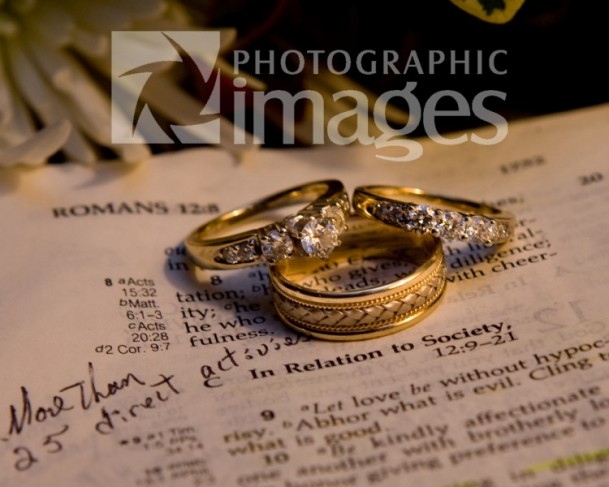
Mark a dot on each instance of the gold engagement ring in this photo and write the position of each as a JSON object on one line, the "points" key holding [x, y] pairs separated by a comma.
{"points": [[313, 231]]}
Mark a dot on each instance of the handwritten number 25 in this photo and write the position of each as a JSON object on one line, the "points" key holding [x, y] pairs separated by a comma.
{"points": [[27, 458]]}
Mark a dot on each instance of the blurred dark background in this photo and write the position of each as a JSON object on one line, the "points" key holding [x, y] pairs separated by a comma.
{"points": [[555, 61]]}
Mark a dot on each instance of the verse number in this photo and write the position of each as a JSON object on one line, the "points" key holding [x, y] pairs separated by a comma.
{"points": [[144, 292], [276, 458], [198, 209], [153, 337]]}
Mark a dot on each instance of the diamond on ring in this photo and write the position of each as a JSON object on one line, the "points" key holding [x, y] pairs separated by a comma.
{"points": [[310, 233], [275, 243], [450, 225], [319, 237], [238, 253]]}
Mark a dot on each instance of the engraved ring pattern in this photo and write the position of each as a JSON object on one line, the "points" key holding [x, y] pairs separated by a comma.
{"points": [[368, 318], [388, 304]]}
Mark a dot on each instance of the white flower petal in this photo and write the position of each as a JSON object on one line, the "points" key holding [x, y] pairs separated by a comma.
{"points": [[23, 7], [47, 105], [132, 152], [87, 104], [227, 38], [8, 25], [51, 23], [6, 95], [88, 43], [38, 147], [16, 123], [174, 17], [140, 9], [21, 125], [43, 82], [108, 16]]}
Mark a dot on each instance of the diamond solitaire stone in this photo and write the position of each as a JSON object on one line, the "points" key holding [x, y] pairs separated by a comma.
{"points": [[319, 237], [315, 232], [276, 244], [335, 213]]}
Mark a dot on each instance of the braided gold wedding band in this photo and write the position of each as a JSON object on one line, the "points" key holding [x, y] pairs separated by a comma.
{"points": [[449, 218], [343, 299]]}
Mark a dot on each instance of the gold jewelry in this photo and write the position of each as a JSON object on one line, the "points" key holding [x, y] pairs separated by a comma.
{"points": [[441, 216], [312, 232], [348, 298]]}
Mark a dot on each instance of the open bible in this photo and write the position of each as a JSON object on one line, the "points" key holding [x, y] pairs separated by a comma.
{"points": [[121, 364]]}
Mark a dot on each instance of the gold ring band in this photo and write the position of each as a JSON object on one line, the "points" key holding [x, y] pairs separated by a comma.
{"points": [[311, 232], [449, 218], [337, 310]]}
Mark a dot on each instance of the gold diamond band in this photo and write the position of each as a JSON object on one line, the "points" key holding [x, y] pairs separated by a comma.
{"points": [[312, 232], [379, 281], [449, 218]]}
